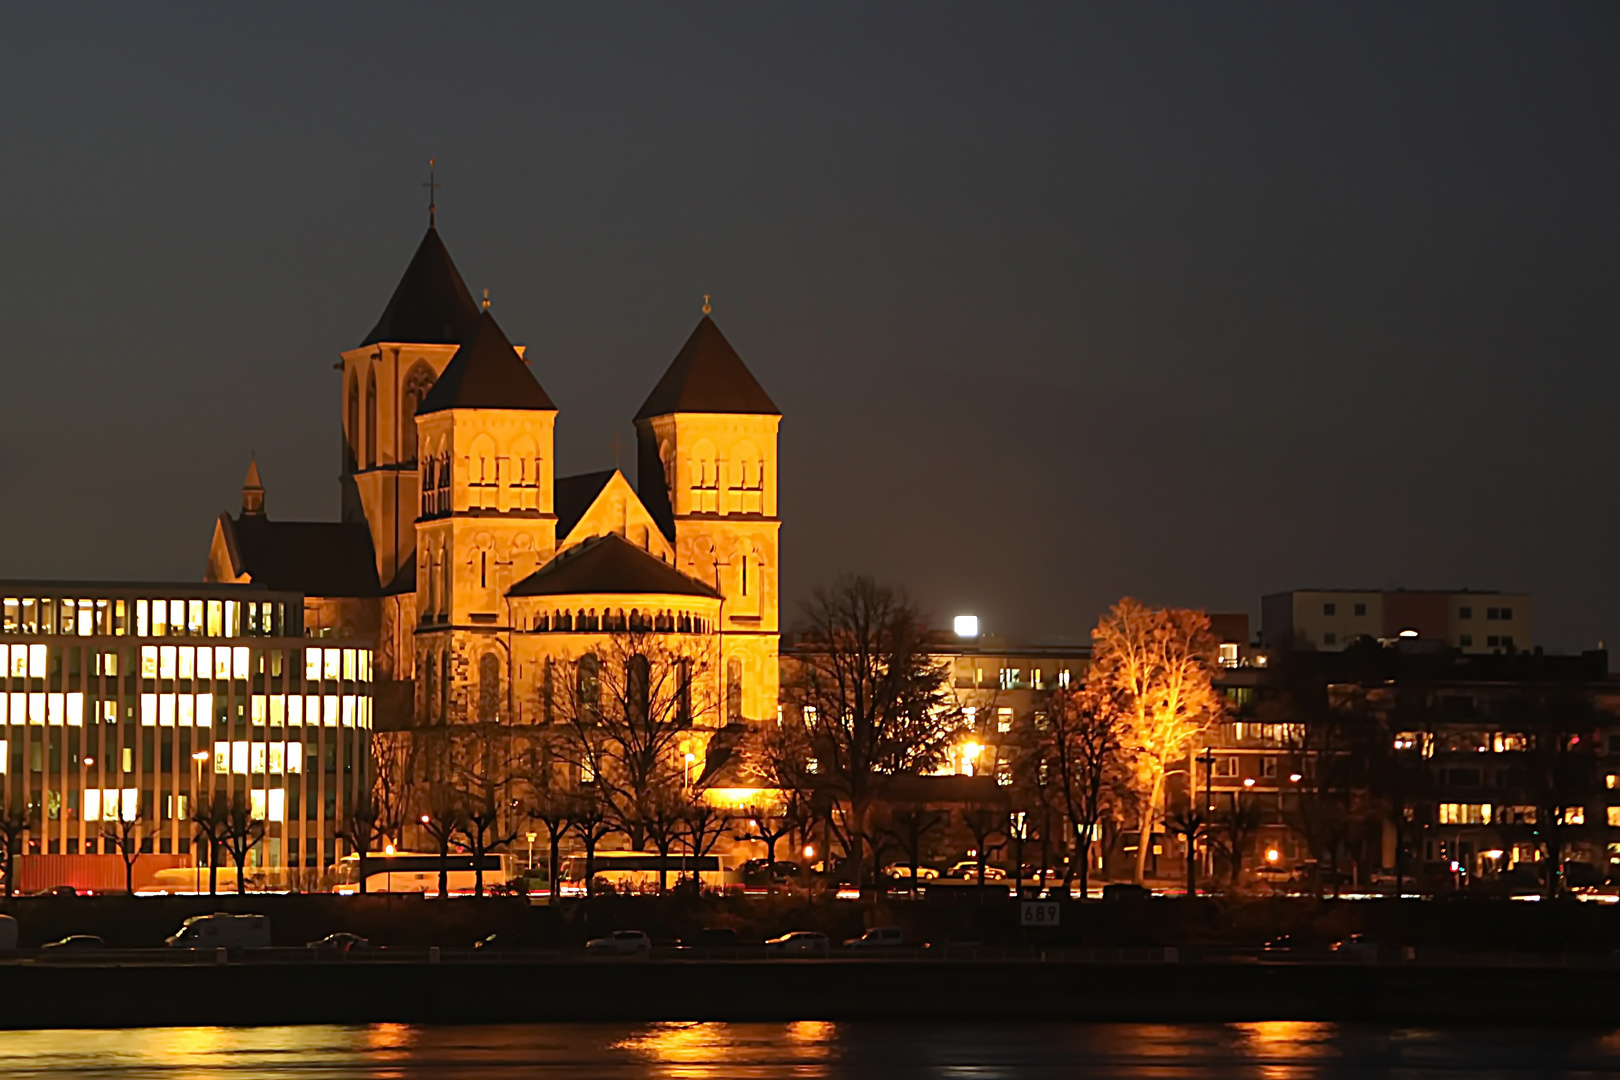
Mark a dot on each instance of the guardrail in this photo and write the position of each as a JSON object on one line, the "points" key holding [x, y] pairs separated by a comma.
{"points": [[955, 953]]}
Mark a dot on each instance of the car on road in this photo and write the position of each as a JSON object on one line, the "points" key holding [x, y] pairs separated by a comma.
{"points": [[799, 942], [77, 943], [58, 890], [342, 943], [621, 943], [878, 937], [903, 870], [968, 870], [1282, 943]]}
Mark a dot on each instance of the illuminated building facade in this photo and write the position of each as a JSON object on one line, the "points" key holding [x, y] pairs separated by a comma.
{"points": [[141, 702], [479, 575]]}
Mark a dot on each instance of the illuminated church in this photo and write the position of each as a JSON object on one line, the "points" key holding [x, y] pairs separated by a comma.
{"points": [[472, 567]]}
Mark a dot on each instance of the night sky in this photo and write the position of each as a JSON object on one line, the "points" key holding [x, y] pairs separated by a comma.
{"points": [[1191, 302]]}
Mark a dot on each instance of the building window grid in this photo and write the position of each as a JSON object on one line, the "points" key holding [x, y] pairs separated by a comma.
{"points": [[75, 722]]}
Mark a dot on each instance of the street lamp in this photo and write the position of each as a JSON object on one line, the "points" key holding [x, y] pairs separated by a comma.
{"points": [[197, 760]]}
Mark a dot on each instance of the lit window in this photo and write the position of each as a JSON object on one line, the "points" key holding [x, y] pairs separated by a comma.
{"points": [[260, 754], [1574, 815], [1614, 813], [278, 759], [239, 758], [205, 709], [148, 710], [811, 765], [278, 804], [1004, 775], [1063, 678], [809, 716], [1229, 654], [1465, 813], [222, 758], [256, 804], [1004, 719], [239, 662], [295, 757], [1610, 780]]}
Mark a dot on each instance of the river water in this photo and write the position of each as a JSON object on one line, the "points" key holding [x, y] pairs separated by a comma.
{"points": [[1267, 1051]]}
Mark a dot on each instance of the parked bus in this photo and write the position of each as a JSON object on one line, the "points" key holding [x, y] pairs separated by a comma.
{"points": [[415, 872], [637, 871]]}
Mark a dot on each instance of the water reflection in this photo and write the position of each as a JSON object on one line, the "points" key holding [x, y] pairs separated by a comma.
{"points": [[808, 1049]]}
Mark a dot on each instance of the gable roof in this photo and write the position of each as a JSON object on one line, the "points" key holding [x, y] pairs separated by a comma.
{"points": [[485, 373], [431, 304], [707, 376], [609, 564], [573, 495], [316, 558]]}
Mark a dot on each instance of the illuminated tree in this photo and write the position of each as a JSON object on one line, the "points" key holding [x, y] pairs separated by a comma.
{"points": [[985, 822], [1155, 668], [873, 698]]}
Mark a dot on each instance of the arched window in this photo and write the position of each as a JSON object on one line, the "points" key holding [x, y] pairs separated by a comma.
{"points": [[489, 688], [588, 687], [351, 439], [638, 681], [371, 419], [734, 690], [417, 383]]}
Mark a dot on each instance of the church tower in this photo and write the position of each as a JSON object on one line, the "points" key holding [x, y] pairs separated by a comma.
{"points": [[384, 380], [485, 521], [706, 470]]}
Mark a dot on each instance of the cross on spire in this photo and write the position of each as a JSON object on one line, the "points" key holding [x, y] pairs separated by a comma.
{"points": [[706, 307], [433, 189], [616, 446]]}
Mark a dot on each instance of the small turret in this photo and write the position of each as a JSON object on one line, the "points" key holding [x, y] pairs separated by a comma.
{"points": [[252, 492]]}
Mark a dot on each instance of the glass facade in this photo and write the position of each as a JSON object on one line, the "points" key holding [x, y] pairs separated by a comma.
{"points": [[141, 703]]}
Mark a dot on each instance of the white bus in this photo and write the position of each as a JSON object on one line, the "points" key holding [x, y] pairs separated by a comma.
{"points": [[416, 872], [637, 871]]}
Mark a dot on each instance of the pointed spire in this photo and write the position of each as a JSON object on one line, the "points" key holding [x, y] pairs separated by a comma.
{"points": [[707, 376], [485, 373], [431, 305], [252, 491]]}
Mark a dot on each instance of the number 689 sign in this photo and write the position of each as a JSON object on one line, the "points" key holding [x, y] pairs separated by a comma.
{"points": [[1039, 912]]}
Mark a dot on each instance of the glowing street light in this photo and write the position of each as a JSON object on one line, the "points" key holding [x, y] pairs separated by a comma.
{"points": [[966, 626], [1272, 855], [1294, 778], [1248, 781]]}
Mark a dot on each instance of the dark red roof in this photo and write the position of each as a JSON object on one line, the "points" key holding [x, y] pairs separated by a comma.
{"points": [[707, 376], [485, 373], [431, 304], [609, 564]]}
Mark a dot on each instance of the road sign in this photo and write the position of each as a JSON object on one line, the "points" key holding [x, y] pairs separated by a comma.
{"points": [[1039, 912]]}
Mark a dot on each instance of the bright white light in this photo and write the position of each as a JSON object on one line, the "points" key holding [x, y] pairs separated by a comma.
{"points": [[1409, 633], [967, 626]]}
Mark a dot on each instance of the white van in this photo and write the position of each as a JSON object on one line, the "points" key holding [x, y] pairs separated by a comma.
{"points": [[222, 930]]}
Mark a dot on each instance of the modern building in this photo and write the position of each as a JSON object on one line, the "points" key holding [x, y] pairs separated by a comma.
{"points": [[1326, 620], [139, 702]]}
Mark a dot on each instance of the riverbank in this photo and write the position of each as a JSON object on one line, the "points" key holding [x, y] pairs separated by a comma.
{"points": [[484, 990]]}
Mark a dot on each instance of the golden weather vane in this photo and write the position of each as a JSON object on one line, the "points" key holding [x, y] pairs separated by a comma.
{"points": [[706, 307]]}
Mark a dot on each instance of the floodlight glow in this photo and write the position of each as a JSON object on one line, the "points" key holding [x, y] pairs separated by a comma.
{"points": [[967, 626]]}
